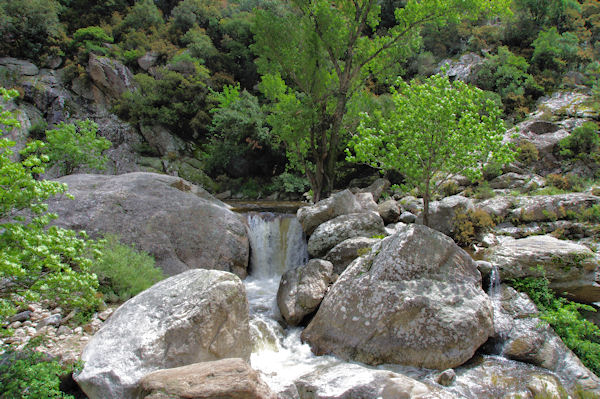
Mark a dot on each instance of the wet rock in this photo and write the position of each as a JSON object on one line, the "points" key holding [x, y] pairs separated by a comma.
{"points": [[334, 231], [342, 203], [570, 267], [415, 299], [389, 211], [441, 213], [345, 252], [196, 316], [351, 381], [180, 224], [221, 379], [302, 289]]}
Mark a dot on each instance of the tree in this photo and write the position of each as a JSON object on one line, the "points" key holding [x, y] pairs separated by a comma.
{"points": [[38, 262], [316, 57], [438, 129], [73, 145]]}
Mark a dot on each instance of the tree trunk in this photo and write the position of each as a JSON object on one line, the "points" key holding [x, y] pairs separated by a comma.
{"points": [[426, 204]]}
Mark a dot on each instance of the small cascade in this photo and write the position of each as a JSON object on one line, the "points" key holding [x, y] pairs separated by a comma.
{"points": [[277, 244], [502, 321]]}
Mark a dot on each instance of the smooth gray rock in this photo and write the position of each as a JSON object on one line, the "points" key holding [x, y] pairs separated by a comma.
{"points": [[441, 213], [499, 207], [415, 299], [389, 211], [334, 231], [570, 267], [178, 223], [302, 289], [352, 381], [377, 188], [220, 379], [196, 316], [366, 201], [407, 217], [527, 339], [345, 252], [342, 203], [19, 67]]}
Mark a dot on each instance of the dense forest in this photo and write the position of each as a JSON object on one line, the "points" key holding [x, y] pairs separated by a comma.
{"points": [[289, 100]]}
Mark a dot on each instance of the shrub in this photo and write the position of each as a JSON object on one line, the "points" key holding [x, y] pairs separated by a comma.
{"points": [[528, 153], [471, 224], [558, 181], [290, 183], [74, 145], [30, 374], [124, 272], [449, 188], [90, 39], [583, 143], [580, 335]]}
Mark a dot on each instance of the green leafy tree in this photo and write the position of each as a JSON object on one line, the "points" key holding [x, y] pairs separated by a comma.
{"points": [[73, 145], [554, 51], [317, 56], [38, 262], [438, 129]]}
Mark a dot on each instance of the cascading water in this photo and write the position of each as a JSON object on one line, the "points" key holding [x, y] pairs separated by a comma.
{"points": [[277, 244]]}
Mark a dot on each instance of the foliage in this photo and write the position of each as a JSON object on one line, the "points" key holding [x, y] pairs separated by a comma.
{"points": [[38, 262], [123, 271], [506, 74], [74, 145], [439, 129], [91, 40], [176, 100], [143, 16], [554, 54], [238, 128], [580, 335], [583, 143], [329, 55], [30, 374], [470, 224], [291, 183], [528, 153], [30, 29]]}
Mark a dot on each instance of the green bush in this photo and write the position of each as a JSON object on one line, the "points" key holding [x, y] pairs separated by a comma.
{"points": [[471, 224], [528, 153], [291, 183], [554, 51], [580, 335], [124, 272], [583, 143], [29, 374]]}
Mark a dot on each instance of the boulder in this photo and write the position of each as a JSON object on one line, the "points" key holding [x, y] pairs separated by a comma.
{"points": [[196, 316], [415, 299], [407, 217], [302, 289], [441, 213], [180, 224], [345, 252], [543, 208], [527, 339], [498, 207], [341, 203], [352, 381], [111, 76], [377, 188], [162, 140], [513, 180], [389, 211], [570, 267], [411, 204], [334, 231], [220, 379], [366, 201]]}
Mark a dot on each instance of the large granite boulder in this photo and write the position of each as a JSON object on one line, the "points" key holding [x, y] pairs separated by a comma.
{"points": [[196, 316], [111, 76], [178, 223], [527, 339], [544, 208], [442, 213], [352, 381], [220, 379], [345, 252], [415, 299], [302, 289], [377, 188], [389, 211], [570, 267], [497, 207], [341, 203], [334, 231]]}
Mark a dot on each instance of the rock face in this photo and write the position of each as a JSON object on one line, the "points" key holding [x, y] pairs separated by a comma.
{"points": [[543, 208], [110, 75], [570, 267], [416, 299], [441, 213], [530, 340], [180, 224], [345, 252], [351, 381], [341, 203], [163, 141], [302, 289], [331, 233], [221, 379], [196, 316], [463, 69]]}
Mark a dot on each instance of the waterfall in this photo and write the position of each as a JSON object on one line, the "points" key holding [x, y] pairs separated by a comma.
{"points": [[277, 243], [502, 321]]}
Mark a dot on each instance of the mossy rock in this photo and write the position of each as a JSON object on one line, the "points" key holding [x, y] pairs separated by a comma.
{"points": [[194, 175]]}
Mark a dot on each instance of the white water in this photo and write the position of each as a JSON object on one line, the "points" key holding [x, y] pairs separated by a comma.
{"points": [[277, 244]]}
